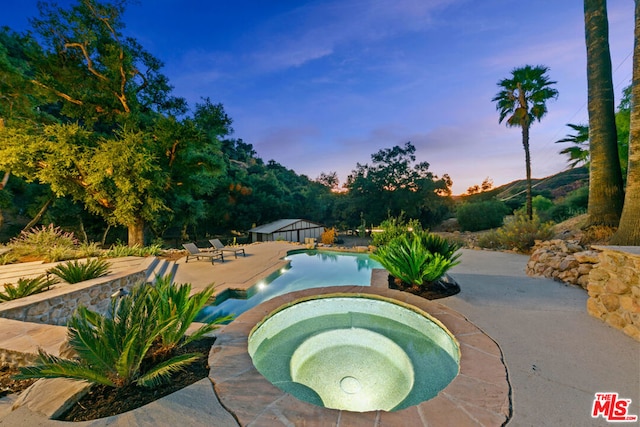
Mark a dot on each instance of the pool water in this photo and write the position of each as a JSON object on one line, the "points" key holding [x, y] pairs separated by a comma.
{"points": [[307, 269], [355, 353]]}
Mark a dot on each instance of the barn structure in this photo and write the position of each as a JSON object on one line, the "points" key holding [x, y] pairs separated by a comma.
{"points": [[291, 230]]}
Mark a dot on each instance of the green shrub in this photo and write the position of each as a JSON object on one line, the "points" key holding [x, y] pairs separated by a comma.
{"points": [[393, 227], [76, 271], [408, 258], [120, 348], [482, 215], [119, 250], [48, 242], [574, 204], [8, 258], [489, 240], [26, 287], [541, 203], [89, 250], [518, 233]]}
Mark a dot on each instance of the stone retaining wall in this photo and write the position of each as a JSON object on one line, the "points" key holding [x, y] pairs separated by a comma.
{"points": [[55, 306], [565, 261], [614, 288]]}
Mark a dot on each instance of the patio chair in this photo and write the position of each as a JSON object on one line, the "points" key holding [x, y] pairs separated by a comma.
{"points": [[217, 244], [195, 252]]}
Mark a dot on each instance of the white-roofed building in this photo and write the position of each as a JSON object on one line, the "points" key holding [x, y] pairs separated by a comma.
{"points": [[290, 230]]}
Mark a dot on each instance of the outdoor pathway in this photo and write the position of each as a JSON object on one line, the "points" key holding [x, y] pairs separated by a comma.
{"points": [[557, 355]]}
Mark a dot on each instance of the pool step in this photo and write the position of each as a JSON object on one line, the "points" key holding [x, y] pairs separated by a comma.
{"points": [[159, 268]]}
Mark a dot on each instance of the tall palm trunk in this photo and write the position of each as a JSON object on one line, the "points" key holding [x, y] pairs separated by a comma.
{"points": [[629, 230], [605, 179], [527, 160]]}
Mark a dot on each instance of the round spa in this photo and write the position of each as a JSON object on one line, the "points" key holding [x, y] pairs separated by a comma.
{"points": [[357, 353]]}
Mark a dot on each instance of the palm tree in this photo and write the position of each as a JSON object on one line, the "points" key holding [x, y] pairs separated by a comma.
{"points": [[629, 229], [605, 179], [577, 152], [522, 100]]}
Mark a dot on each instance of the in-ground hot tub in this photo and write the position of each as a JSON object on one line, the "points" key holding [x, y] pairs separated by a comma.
{"points": [[355, 352]]}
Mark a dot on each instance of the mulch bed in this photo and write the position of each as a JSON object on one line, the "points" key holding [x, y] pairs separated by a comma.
{"points": [[442, 288], [8, 385], [103, 401]]}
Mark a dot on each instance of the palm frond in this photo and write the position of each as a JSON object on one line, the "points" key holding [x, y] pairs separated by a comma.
{"points": [[49, 366], [161, 373]]}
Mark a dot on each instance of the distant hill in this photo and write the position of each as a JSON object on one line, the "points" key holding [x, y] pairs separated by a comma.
{"points": [[552, 187]]}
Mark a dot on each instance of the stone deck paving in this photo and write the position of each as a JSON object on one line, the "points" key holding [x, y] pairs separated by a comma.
{"points": [[478, 396]]}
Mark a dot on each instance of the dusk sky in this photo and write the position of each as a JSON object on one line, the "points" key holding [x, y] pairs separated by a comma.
{"points": [[321, 85]]}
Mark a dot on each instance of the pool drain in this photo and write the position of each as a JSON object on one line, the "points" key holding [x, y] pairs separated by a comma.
{"points": [[350, 385]]}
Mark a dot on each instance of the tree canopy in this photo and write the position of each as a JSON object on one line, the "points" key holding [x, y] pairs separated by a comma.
{"points": [[91, 133], [394, 183]]}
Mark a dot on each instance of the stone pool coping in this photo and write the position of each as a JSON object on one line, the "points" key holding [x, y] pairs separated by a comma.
{"points": [[479, 395]]}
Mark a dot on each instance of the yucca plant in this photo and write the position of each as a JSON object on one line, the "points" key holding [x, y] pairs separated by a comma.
{"points": [[76, 271], [409, 259], [175, 301], [25, 287], [111, 348]]}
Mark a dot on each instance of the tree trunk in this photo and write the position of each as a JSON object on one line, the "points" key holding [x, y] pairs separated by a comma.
{"points": [[527, 160], [605, 178], [104, 235], [136, 232], [3, 183], [629, 230], [5, 179], [39, 215]]}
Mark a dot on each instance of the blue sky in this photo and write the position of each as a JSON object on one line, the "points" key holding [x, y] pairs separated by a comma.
{"points": [[321, 85]]}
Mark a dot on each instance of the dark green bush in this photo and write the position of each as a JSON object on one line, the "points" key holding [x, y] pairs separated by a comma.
{"points": [[574, 204], [482, 215]]}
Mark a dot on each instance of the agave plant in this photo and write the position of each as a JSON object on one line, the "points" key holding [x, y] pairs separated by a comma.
{"points": [[76, 271], [25, 287], [415, 258], [175, 302], [122, 347]]}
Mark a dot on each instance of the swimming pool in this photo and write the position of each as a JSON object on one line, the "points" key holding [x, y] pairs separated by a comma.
{"points": [[307, 269]]}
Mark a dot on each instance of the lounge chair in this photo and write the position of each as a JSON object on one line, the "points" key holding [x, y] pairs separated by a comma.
{"points": [[195, 252], [218, 246]]}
